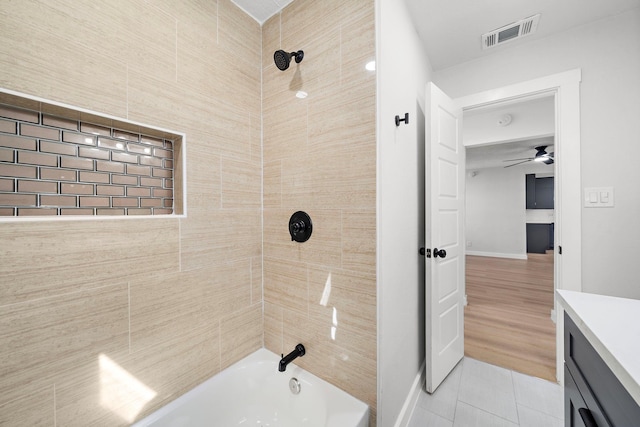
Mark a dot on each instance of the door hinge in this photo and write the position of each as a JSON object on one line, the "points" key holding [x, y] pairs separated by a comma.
{"points": [[559, 250]]}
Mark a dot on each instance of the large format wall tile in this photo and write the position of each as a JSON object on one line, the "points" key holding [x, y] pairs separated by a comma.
{"points": [[115, 389], [324, 246], [241, 334], [43, 336], [36, 408], [50, 258], [164, 302], [223, 235], [170, 302], [320, 157]]}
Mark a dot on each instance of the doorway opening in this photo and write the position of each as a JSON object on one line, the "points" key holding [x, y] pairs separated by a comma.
{"points": [[564, 87], [509, 235]]}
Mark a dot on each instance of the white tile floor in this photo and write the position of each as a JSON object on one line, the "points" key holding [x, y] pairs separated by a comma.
{"points": [[477, 394]]}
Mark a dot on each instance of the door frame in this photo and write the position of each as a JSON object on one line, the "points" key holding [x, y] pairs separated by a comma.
{"points": [[565, 88]]}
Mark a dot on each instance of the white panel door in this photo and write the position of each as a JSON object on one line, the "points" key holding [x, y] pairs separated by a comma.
{"points": [[444, 287]]}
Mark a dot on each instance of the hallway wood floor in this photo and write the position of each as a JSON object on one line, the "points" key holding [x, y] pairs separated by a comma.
{"points": [[507, 319]]}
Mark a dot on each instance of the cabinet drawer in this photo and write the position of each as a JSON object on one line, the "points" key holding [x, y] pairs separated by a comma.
{"points": [[574, 403], [604, 395]]}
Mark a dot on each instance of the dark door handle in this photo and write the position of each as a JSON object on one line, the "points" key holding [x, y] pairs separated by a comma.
{"points": [[425, 252], [587, 418], [439, 253]]}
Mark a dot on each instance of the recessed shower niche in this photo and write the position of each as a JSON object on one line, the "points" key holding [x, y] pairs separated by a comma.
{"points": [[57, 160]]}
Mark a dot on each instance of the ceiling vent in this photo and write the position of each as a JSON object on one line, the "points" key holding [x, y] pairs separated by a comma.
{"points": [[510, 32]]}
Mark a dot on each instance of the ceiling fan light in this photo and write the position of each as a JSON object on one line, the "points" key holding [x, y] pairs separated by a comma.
{"points": [[548, 161], [542, 158]]}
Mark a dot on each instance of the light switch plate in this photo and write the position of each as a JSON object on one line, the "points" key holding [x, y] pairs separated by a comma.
{"points": [[598, 197]]}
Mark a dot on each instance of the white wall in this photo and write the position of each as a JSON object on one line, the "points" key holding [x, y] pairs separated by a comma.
{"points": [[540, 216], [608, 52], [403, 71], [495, 211]]}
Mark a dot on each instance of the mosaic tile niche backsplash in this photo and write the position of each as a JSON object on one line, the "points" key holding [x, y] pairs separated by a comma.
{"points": [[57, 166]]}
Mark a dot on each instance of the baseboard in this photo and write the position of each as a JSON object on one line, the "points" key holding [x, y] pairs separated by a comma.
{"points": [[496, 255], [412, 398]]}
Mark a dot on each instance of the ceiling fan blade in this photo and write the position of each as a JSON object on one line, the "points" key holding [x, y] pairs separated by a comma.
{"points": [[515, 160], [519, 163]]}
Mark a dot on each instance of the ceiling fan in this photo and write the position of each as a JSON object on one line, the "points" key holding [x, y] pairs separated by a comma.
{"points": [[540, 156]]}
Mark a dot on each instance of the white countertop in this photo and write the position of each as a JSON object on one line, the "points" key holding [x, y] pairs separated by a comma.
{"points": [[612, 326]]}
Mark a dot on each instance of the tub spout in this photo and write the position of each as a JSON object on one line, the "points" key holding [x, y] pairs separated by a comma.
{"points": [[297, 352]]}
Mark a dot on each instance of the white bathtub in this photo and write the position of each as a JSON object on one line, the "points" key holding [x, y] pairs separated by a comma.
{"points": [[253, 393]]}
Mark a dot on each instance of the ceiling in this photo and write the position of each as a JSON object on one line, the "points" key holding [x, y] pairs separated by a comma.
{"points": [[451, 33], [490, 142], [451, 30], [261, 10], [501, 155], [532, 125]]}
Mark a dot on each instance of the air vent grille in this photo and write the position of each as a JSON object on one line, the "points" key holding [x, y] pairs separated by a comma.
{"points": [[527, 26], [510, 32], [490, 40]]}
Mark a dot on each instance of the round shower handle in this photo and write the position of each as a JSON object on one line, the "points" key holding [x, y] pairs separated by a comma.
{"points": [[300, 227]]}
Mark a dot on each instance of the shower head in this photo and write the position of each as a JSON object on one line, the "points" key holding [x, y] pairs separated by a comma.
{"points": [[282, 58]]}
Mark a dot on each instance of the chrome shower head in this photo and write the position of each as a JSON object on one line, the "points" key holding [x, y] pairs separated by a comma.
{"points": [[282, 58]]}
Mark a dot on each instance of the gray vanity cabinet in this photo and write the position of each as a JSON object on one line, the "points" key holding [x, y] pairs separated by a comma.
{"points": [[593, 396], [573, 402]]}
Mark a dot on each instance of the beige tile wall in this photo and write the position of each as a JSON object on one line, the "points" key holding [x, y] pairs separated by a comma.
{"points": [[320, 157], [164, 303], [171, 302]]}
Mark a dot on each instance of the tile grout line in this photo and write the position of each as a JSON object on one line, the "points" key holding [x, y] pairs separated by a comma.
{"points": [[515, 400], [491, 413], [280, 29], [261, 185], [129, 312], [340, 53], [487, 412], [455, 411], [127, 93], [527, 405], [220, 344], [55, 415], [221, 182], [460, 379], [176, 53], [77, 291]]}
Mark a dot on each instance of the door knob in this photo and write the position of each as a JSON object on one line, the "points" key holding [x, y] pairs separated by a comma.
{"points": [[439, 253], [425, 252]]}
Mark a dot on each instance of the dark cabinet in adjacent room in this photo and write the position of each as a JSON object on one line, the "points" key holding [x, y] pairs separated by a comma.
{"points": [[539, 238], [539, 192]]}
